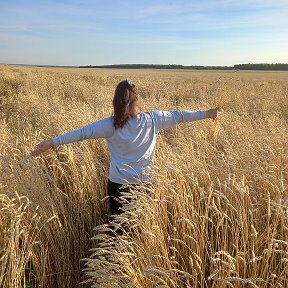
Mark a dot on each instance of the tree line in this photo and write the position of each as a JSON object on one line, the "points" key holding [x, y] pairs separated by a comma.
{"points": [[159, 66], [273, 67], [264, 66]]}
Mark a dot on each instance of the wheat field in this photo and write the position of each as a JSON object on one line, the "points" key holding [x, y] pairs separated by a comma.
{"points": [[216, 215]]}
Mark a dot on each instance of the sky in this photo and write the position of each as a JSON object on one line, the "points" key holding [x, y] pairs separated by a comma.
{"points": [[103, 32]]}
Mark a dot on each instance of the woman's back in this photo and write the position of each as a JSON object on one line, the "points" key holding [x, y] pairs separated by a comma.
{"points": [[132, 148]]}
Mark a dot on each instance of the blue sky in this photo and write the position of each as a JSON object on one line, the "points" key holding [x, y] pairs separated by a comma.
{"points": [[207, 32]]}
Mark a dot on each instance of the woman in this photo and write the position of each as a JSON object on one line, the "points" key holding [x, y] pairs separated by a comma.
{"points": [[131, 135]]}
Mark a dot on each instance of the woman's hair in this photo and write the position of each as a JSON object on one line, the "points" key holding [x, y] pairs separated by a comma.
{"points": [[124, 98]]}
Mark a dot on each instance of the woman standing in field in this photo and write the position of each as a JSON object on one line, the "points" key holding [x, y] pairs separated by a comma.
{"points": [[131, 135]]}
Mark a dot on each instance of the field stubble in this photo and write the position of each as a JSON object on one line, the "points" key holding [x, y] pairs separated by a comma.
{"points": [[217, 215]]}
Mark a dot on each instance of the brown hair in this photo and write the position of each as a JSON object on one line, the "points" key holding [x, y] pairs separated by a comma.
{"points": [[124, 98]]}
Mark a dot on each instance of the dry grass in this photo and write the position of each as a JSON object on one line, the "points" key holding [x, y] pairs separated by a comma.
{"points": [[217, 215]]}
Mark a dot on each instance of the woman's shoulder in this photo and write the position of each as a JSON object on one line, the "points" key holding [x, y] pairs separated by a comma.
{"points": [[107, 121], [156, 114], [153, 113]]}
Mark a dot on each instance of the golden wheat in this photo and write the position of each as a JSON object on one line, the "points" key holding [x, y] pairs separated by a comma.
{"points": [[216, 216]]}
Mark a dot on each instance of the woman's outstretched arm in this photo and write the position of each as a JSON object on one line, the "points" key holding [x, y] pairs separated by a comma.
{"points": [[166, 119], [100, 129]]}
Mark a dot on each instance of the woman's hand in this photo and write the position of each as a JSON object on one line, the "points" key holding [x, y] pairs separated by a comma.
{"points": [[42, 147], [214, 113]]}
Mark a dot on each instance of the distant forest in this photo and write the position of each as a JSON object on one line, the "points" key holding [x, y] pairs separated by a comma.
{"points": [[273, 67]]}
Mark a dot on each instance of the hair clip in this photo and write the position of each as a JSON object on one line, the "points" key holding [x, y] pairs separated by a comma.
{"points": [[130, 83]]}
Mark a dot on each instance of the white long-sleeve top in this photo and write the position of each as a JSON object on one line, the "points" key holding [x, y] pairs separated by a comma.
{"points": [[131, 147]]}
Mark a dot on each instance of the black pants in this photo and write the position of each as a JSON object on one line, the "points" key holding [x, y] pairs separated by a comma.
{"points": [[114, 193]]}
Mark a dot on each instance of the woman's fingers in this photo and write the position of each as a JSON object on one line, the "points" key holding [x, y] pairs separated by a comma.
{"points": [[37, 150], [218, 112], [214, 113], [41, 147]]}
